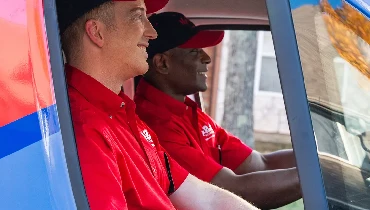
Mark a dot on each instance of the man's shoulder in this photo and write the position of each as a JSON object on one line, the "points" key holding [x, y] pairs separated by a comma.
{"points": [[151, 113], [83, 112], [205, 118], [159, 119]]}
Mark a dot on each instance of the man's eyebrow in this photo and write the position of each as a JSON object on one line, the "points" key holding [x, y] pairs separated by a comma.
{"points": [[142, 9]]}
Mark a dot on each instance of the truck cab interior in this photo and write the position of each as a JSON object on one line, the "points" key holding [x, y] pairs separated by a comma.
{"points": [[323, 57]]}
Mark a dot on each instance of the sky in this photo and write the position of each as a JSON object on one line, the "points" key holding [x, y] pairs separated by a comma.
{"points": [[298, 3]]}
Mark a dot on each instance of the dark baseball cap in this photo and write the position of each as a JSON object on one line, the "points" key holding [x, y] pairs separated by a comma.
{"points": [[175, 30], [70, 10]]}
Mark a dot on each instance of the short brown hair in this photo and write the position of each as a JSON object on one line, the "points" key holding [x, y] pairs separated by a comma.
{"points": [[72, 36]]}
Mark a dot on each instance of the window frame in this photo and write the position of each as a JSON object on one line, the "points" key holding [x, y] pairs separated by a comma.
{"points": [[62, 101], [296, 103], [259, 58], [346, 67], [353, 150]]}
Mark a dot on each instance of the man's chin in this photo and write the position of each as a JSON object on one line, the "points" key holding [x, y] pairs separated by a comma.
{"points": [[142, 69], [203, 89]]}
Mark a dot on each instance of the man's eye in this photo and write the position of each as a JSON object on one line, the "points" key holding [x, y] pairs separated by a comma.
{"points": [[139, 17], [195, 51]]}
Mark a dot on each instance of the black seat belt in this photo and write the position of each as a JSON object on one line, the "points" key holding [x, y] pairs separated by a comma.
{"points": [[171, 189]]}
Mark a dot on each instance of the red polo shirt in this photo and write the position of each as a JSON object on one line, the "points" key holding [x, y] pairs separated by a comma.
{"points": [[191, 137], [122, 164]]}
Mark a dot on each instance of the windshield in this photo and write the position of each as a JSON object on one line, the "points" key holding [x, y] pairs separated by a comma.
{"points": [[334, 49]]}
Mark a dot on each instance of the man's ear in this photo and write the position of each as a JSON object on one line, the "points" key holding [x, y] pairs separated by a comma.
{"points": [[160, 63], [94, 30]]}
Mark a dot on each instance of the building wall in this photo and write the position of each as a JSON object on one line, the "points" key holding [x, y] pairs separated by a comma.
{"points": [[269, 108]]}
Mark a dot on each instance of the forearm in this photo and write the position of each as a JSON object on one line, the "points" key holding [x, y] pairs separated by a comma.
{"points": [[196, 194], [269, 189], [223, 199], [282, 159]]}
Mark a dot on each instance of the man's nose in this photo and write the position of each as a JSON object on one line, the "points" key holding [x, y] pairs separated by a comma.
{"points": [[150, 32], [205, 57]]}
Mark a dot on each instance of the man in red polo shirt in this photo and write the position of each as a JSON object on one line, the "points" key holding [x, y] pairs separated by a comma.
{"points": [[122, 164], [177, 68]]}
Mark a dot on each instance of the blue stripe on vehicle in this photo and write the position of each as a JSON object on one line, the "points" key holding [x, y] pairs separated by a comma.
{"points": [[36, 178], [28, 130]]}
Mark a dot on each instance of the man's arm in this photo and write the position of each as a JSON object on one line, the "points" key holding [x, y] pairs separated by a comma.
{"points": [[205, 168], [282, 159], [268, 181], [266, 189], [233, 149], [196, 194]]}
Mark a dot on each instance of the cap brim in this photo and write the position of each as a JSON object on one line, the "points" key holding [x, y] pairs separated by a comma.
{"points": [[204, 39], [154, 5]]}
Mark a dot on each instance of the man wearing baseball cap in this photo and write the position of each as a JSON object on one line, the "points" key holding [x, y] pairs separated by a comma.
{"points": [[178, 68], [122, 164]]}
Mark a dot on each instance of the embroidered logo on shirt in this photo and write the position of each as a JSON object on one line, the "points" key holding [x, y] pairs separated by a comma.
{"points": [[207, 131], [147, 137]]}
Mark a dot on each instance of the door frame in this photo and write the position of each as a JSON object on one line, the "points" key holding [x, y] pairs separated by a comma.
{"points": [[296, 103]]}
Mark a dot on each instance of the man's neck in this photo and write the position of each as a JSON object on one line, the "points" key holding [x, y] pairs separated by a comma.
{"points": [[178, 97], [162, 86], [103, 75]]}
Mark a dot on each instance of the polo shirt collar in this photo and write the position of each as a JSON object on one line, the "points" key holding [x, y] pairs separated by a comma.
{"points": [[95, 92], [158, 97]]}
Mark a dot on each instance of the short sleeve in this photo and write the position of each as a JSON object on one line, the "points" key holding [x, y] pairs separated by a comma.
{"points": [[175, 142], [233, 150]]}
